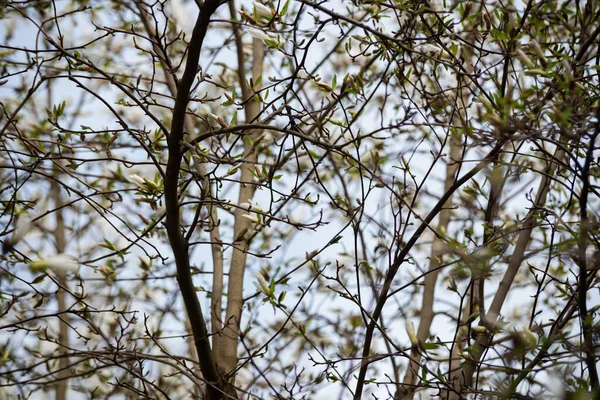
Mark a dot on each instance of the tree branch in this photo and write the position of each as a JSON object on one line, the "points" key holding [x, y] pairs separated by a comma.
{"points": [[216, 385], [465, 374], [586, 319], [400, 258]]}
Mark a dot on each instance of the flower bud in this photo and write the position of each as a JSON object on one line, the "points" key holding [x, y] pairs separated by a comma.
{"points": [[410, 330]]}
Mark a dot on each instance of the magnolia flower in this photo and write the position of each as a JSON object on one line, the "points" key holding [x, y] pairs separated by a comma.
{"points": [[260, 34], [262, 11], [430, 49], [410, 330], [533, 44], [138, 180], [247, 17], [233, 170], [59, 263], [263, 286], [159, 213], [324, 86], [250, 206], [143, 184], [252, 218], [215, 121], [436, 5], [22, 226], [524, 58]]}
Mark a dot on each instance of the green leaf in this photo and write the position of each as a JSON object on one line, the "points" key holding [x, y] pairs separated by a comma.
{"points": [[108, 244], [499, 35], [284, 9], [281, 297], [336, 239], [430, 346], [272, 44]]}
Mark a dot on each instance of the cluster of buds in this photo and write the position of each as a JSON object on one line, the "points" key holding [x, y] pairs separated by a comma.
{"points": [[145, 185], [263, 17]]}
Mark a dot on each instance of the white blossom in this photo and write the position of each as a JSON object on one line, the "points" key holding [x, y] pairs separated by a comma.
{"points": [[250, 206], [260, 34], [262, 11], [215, 121], [159, 213], [430, 49], [436, 5], [533, 44], [251, 217], [59, 263], [22, 226], [324, 86], [181, 15], [524, 58], [138, 180], [263, 286], [410, 330]]}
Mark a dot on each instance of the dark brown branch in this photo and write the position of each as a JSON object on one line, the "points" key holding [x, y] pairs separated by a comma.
{"points": [[216, 385], [586, 321]]}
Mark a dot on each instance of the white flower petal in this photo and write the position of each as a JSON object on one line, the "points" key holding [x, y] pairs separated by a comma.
{"points": [[410, 330], [436, 5], [250, 206], [260, 10], [262, 284], [59, 263], [324, 86], [251, 217], [260, 34], [213, 121], [181, 14], [22, 226], [159, 213], [430, 49], [138, 180], [524, 58]]}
